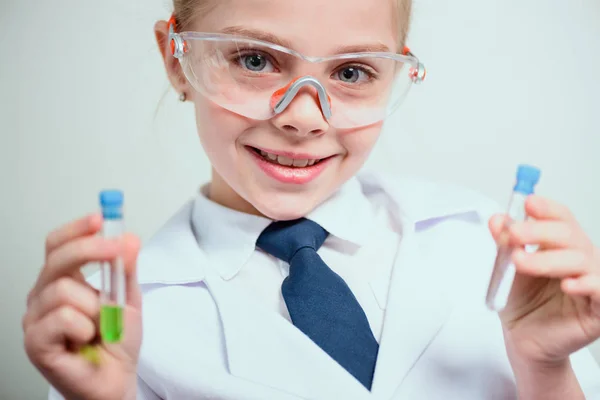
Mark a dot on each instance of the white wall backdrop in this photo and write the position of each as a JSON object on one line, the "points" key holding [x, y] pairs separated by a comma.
{"points": [[81, 84]]}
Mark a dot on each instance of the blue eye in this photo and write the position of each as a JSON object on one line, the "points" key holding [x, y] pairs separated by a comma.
{"points": [[256, 63], [349, 75], [353, 75]]}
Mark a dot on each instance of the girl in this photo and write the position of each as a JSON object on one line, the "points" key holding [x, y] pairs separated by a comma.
{"points": [[291, 275]]}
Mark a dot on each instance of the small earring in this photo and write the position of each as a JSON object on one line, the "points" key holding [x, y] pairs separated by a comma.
{"points": [[182, 97]]}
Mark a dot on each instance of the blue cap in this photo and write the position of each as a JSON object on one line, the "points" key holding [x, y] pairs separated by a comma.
{"points": [[111, 202], [527, 177]]}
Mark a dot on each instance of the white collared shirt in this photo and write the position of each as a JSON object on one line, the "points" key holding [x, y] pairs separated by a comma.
{"points": [[360, 232]]}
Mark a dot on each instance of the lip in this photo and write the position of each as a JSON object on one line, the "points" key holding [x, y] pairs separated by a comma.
{"points": [[293, 175]]}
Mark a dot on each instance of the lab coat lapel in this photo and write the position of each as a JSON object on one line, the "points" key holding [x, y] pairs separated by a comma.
{"points": [[416, 309], [264, 347]]}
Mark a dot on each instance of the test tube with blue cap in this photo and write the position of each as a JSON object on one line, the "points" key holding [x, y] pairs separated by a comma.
{"points": [[504, 270], [112, 295]]}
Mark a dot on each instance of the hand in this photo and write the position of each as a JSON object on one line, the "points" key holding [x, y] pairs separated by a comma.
{"points": [[554, 307], [62, 316]]}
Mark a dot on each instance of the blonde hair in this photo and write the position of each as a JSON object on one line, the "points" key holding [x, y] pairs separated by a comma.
{"points": [[187, 10]]}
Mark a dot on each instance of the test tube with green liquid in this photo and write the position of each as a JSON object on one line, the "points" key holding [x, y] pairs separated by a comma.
{"points": [[112, 294]]}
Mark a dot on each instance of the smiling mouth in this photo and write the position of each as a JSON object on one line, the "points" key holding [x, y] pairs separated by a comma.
{"points": [[286, 161]]}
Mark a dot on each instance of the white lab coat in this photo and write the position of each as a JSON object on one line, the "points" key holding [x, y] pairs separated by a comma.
{"points": [[203, 340]]}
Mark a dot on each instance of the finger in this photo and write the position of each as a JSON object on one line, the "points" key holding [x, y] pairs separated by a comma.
{"points": [[551, 263], [131, 247], [59, 328], [70, 257], [547, 234], [88, 225], [77, 276], [64, 291], [496, 225], [586, 285], [540, 208]]}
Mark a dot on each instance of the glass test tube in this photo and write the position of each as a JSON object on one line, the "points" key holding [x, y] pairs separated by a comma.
{"points": [[112, 295], [504, 269]]}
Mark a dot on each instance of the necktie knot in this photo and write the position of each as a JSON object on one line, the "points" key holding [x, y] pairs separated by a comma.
{"points": [[283, 239]]}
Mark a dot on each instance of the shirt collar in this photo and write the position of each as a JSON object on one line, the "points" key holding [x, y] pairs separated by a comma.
{"points": [[228, 237], [347, 214]]}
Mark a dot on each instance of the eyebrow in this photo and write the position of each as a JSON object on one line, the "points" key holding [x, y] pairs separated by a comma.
{"points": [[256, 34], [361, 48], [271, 38]]}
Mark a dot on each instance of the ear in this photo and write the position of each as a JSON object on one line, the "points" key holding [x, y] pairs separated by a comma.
{"points": [[174, 71]]}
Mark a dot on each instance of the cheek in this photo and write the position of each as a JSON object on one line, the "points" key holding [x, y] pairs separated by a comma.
{"points": [[218, 129], [359, 143]]}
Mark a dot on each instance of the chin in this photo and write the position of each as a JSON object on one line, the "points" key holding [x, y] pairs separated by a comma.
{"points": [[285, 206]]}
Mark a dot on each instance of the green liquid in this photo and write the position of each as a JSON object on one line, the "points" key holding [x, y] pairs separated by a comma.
{"points": [[111, 323]]}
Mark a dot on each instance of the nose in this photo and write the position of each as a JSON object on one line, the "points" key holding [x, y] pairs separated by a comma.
{"points": [[303, 116]]}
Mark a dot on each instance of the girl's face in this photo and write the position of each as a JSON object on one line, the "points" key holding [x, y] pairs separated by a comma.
{"points": [[242, 178]]}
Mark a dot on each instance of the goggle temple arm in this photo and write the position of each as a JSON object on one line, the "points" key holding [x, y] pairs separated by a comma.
{"points": [[282, 98], [178, 46]]}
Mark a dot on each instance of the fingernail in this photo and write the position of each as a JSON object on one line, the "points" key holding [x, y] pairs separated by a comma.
{"points": [[571, 284], [93, 221], [519, 255], [503, 238]]}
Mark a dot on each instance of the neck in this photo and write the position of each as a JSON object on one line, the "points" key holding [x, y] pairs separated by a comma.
{"points": [[221, 193]]}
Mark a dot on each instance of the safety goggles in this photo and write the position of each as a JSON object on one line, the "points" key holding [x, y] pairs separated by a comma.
{"points": [[259, 80]]}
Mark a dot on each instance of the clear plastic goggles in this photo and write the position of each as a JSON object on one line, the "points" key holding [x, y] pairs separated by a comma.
{"points": [[258, 80]]}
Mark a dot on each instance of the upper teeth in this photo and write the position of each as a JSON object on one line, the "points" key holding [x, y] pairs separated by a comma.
{"points": [[288, 162]]}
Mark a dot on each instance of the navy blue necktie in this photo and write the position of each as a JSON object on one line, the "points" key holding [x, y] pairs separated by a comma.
{"points": [[319, 302]]}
